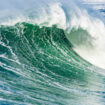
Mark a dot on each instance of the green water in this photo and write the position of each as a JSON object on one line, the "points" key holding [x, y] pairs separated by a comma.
{"points": [[39, 67]]}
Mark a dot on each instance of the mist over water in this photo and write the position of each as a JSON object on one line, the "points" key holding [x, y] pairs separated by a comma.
{"points": [[52, 52]]}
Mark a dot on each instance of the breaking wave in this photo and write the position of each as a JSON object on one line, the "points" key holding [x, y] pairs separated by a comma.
{"points": [[52, 55]]}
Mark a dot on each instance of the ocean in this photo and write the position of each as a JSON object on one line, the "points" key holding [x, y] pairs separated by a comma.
{"points": [[52, 52]]}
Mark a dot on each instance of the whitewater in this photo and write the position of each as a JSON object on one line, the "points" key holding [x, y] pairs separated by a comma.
{"points": [[52, 52]]}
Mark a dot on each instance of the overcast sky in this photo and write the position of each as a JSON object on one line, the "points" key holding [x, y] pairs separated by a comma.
{"points": [[98, 1]]}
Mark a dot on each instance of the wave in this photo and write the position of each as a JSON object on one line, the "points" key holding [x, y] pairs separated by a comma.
{"points": [[69, 18], [34, 59], [54, 57]]}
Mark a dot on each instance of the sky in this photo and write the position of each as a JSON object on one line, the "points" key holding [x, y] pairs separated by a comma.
{"points": [[98, 1]]}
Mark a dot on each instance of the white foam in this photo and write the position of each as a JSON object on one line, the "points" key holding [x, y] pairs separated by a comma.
{"points": [[96, 29], [53, 14]]}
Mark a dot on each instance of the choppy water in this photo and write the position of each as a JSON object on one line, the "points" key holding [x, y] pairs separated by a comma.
{"points": [[52, 56]]}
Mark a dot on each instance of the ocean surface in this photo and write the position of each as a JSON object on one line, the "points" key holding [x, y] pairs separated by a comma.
{"points": [[52, 52]]}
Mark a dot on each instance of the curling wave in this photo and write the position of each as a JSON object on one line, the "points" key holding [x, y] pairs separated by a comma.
{"points": [[52, 58]]}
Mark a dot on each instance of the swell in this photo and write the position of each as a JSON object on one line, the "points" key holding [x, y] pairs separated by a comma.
{"points": [[38, 65], [84, 27], [31, 45]]}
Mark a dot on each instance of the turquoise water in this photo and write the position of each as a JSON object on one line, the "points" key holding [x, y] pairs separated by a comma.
{"points": [[40, 64]]}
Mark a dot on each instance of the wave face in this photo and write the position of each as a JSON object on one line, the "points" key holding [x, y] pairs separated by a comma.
{"points": [[52, 55]]}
